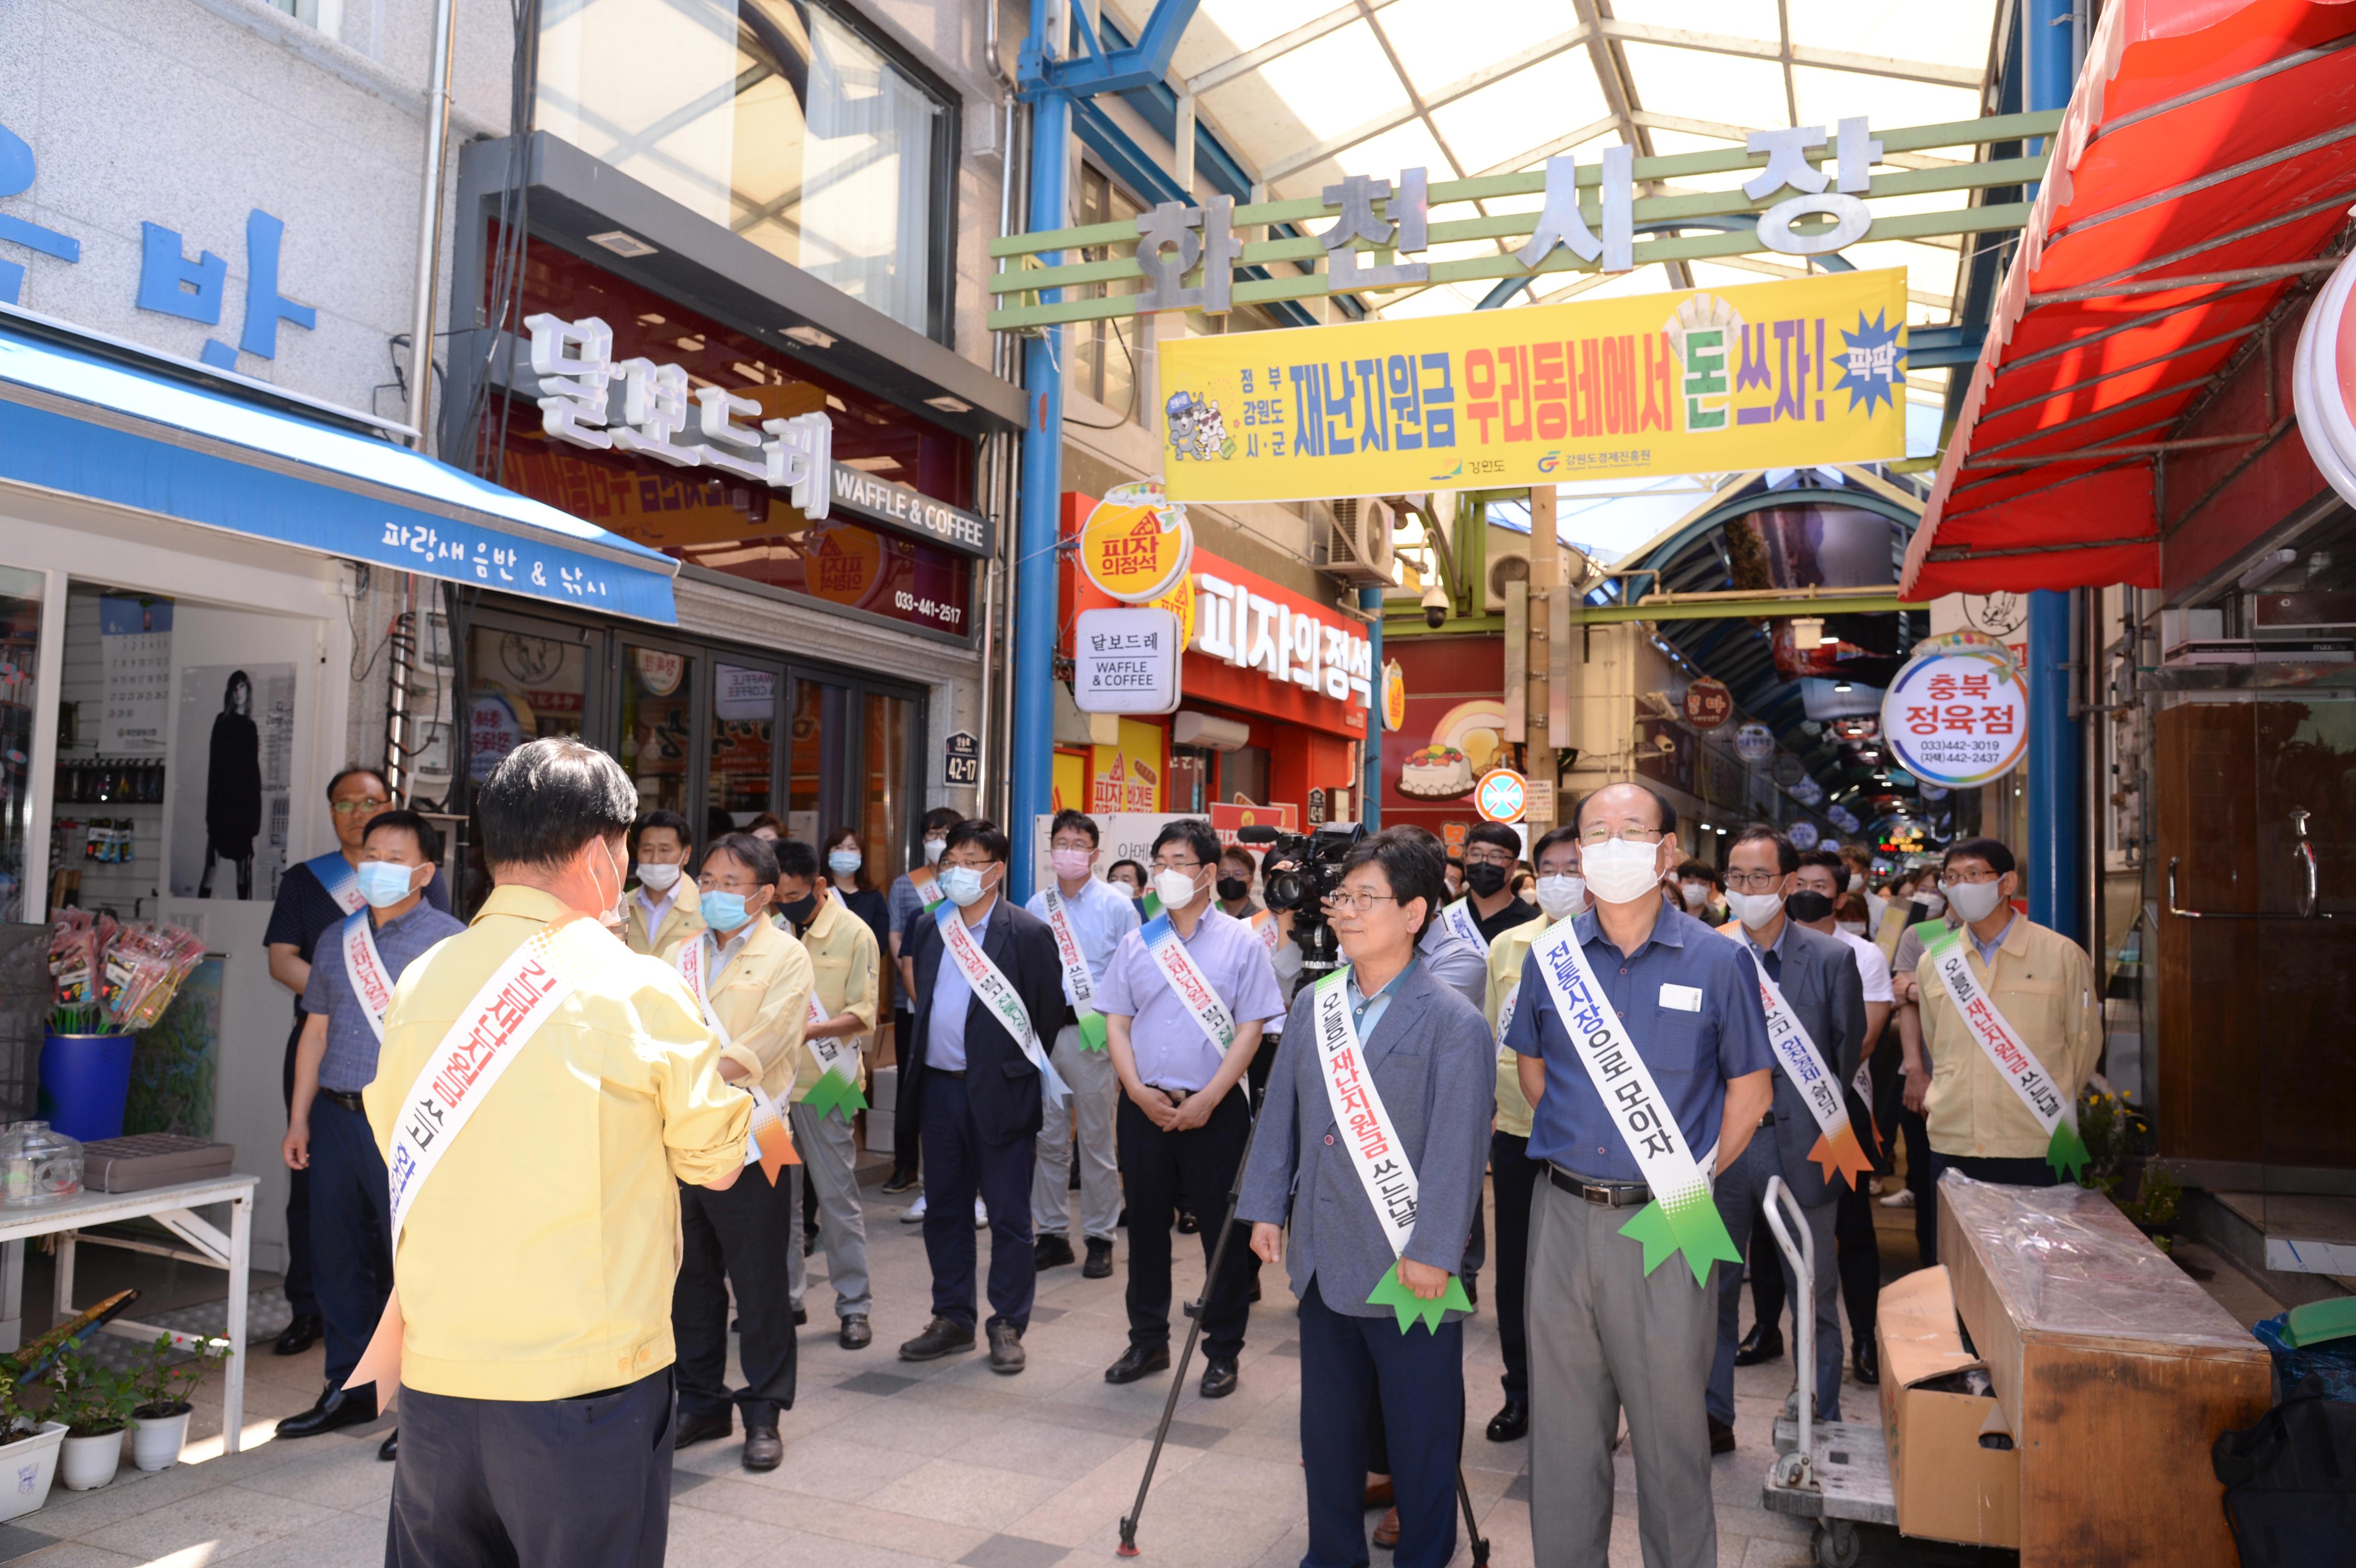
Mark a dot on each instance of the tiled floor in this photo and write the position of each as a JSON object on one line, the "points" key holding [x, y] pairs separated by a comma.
{"points": [[893, 1463]]}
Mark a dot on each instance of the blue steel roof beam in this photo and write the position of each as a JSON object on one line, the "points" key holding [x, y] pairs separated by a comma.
{"points": [[1109, 71]]}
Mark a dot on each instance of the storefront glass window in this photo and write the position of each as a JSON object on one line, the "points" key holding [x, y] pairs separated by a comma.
{"points": [[744, 731], [522, 688], [1190, 778], [20, 647], [658, 703], [1243, 776], [884, 805], [774, 117], [813, 799]]}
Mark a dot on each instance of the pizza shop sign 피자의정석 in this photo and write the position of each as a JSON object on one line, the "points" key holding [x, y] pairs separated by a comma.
{"points": [[1252, 631]]}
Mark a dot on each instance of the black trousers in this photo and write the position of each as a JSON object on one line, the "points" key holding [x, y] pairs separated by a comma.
{"points": [[1861, 1266], [1159, 1171], [2033, 1172], [1922, 1180], [351, 1231], [1352, 1370], [301, 1293], [737, 1237], [1515, 1176], [904, 1132], [960, 1166], [559, 1483]]}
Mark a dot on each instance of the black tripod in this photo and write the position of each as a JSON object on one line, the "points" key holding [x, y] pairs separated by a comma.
{"points": [[1194, 1311]]}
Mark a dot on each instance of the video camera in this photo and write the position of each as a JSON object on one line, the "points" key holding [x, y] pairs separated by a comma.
{"points": [[1301, 871]]}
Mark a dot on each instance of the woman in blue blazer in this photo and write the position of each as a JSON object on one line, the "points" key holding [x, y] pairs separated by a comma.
{"points": [[1375, 1133]]}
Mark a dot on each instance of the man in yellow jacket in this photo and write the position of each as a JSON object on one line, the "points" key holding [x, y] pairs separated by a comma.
{"points": [[846, 966], [663, 907], [536, 1192], [754, 984]]}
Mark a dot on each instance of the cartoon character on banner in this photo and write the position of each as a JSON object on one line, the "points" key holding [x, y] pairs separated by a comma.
{"points": [[1197, 430]]}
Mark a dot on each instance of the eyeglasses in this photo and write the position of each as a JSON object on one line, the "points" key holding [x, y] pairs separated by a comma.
{"points": [[1342, 898], [969, 862], [1494, 858], [370, 806], [1177, 864], [1755, 881], [1632, 834], [1969, 879]]}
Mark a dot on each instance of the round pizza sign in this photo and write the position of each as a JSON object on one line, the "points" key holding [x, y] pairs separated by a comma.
{"points": [[1502, 796], [1136, 543], [1957, 719]]}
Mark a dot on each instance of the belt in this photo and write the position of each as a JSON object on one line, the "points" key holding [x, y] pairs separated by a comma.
{"points": [[946, 1072], [1610, 1194], [1768, 1120], [349, 1102]]}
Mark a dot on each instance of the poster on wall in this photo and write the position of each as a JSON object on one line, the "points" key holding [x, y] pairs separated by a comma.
{"points": [[229, 800], [134, 636]]}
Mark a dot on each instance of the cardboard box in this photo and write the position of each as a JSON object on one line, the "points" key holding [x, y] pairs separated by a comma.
{"points": [[1949, 1484]]}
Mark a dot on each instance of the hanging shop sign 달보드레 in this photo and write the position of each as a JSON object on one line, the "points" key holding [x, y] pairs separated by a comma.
{"points": [[1136, 545], [1808, 370], [1126, 660], [1957, 717]]}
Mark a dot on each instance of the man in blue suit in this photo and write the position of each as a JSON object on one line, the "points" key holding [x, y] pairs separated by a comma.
{"points": [[1820, 979], [990, 994], [1374, 1136]]}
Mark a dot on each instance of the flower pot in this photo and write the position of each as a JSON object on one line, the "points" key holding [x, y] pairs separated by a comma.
{"points": [[84, 1083], [89, 1463], [156, 1440], [27, 1466]]}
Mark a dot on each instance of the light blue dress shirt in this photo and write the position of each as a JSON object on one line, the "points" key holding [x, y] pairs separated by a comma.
{"points": [[1987, 950], [1101, 915], [945, 1040]]}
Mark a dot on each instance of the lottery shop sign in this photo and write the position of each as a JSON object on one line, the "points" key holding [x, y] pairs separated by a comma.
{"points": [[1957, 718], [1807, 370]]}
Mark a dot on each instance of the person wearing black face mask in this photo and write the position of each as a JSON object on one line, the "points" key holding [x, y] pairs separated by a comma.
{"points": [[1491, 850]]}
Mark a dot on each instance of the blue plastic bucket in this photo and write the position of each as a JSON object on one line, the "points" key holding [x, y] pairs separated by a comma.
{"points": [[85, 1080]]}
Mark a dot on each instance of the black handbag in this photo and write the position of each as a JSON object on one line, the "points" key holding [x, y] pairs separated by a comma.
{"points": [[2290, 1482]]}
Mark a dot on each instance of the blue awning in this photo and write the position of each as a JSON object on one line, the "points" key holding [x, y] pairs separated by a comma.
{"points": [[88, 426]]}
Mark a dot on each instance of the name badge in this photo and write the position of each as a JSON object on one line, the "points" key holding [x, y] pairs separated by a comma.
{"points": [[1683, 999]]}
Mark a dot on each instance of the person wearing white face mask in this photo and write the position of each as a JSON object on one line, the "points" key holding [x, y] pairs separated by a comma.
{"points": [[915, 892], [988, 981], [1977, 1113], [327, 1130], [1700, 894], [1562, 894], [661, 914], [1825, 995], [1088, 919], [1630, 993], [1186, 998]]}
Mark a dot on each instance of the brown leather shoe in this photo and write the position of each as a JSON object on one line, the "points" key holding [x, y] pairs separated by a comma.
{"points": [[1722, 1436], [1387, 1532], [1380, 1494]]}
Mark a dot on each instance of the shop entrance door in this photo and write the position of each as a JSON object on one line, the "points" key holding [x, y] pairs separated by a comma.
{"points": [[2257, 817]]}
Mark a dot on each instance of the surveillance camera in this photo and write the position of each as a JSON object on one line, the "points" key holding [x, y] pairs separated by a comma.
{"points": [[1435, 605], [1435, 616]]}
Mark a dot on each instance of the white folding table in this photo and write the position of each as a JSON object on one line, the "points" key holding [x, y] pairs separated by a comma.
{"points": [[175, 1208]]}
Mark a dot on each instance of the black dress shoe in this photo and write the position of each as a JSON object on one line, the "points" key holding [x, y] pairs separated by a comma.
{"points": [[940, 1338], [1511, 1423], [1757, 1347], [1100, 1264], [336, 1408], [1073, 1184], [692, 1429], [1722, 1436], [899, 1184], [764, 1450], [855, 1335], [809, 1243], [1218, 1379], [1050, 1250], [801, 1316], [1866, 1362], [1138, 1362], [1187, 1224], [1006, 1353], [300, 1335], [390, 1449]]}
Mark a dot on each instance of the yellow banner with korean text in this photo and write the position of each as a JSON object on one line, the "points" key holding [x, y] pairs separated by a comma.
{"points": [[1772, 375]]}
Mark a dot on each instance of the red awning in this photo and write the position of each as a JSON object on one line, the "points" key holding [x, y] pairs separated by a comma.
{"points": [[2211, 149]]}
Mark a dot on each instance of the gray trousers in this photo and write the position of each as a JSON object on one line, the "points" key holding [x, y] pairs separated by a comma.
{"points": [[1096, 1088], [1741, 1193], [1607, 1338], [825, 1145]]}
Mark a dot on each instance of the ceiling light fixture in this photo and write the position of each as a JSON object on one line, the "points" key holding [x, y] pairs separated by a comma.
{"points": [[621, 243], [810, 336], [1843, 685], [949, 405]]}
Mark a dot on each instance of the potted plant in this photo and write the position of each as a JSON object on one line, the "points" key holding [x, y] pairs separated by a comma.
{"points": [[95, 1404], [28, 1451], [159, 1423], [2118, 1145]]}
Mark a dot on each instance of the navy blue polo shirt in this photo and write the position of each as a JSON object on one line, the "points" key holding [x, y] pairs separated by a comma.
{"points": [[1688, 998]]}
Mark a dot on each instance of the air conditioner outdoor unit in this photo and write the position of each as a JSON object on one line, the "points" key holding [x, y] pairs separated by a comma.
{"points": [[1358, 540]]}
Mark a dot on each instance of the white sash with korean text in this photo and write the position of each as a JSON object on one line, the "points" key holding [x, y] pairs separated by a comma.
{"points": [[1505, 1017], [836, 1055], [364, 969], [1459, 916], [1803, 1065], [697, 961], [1383, 1170], [335, 874], [2054, 1107], [1265, 927], [1187, 979], [1067, 950], [990, 983]]}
